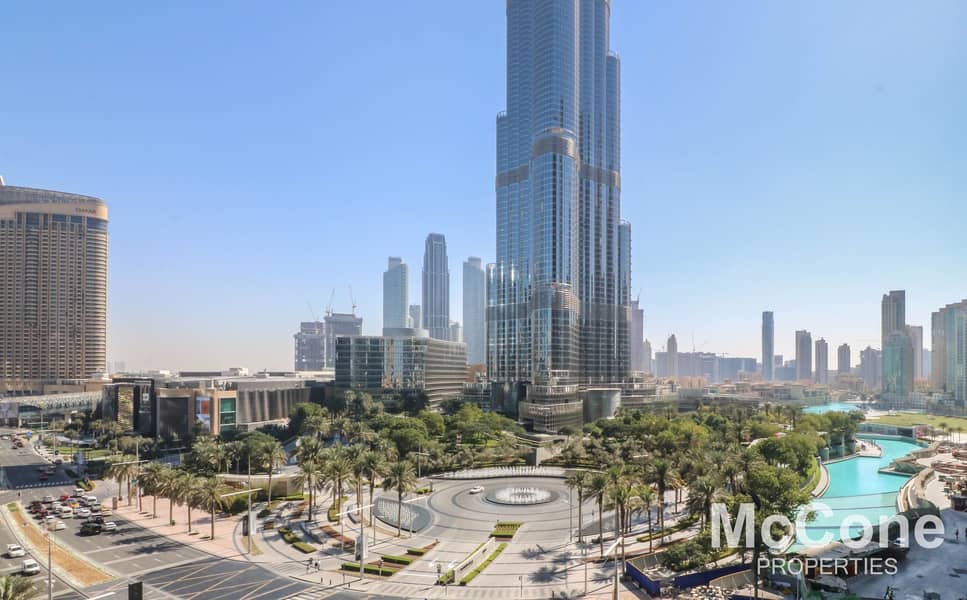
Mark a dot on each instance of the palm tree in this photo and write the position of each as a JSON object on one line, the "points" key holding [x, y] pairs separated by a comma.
{"points": [[209, 493], [357, 468], [311, 458], [374, 466], [272, 456], [661, 474], [336, 471], [620, 493], [13, 587], [150, 480], [186, 492], [596, 489], [123, 468], [166, 486], [578, 481], [702, 492], [315, 425], [943, 427], [400, 477], [647, 496]]}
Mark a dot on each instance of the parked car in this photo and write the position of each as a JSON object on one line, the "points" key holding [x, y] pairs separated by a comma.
{"points": [[57, 525], [15, 551], [90, 528], [30, 567], [95, 519], [109, 526], [82, 513], [91, 499], [79, 492], [66, 512], [47, 499]]}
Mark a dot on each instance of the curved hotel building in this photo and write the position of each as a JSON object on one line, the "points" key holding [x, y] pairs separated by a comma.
{"points": [[53, 289]]}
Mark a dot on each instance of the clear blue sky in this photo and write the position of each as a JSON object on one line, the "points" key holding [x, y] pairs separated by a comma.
{"points": [[801, 157]]}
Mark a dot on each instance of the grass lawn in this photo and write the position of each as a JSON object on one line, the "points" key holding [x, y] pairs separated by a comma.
{"points": [[921, 419]]}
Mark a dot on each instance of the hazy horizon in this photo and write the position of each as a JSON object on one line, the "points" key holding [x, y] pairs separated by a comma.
{"points": [[803, 159]]}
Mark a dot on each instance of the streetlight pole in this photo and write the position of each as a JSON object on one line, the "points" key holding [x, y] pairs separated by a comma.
{"points": [[570, 513], [50, 566], [584, 552], [520, 578]]}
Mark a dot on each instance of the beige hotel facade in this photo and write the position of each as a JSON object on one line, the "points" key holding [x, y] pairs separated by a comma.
{"points": [[53, 289]]}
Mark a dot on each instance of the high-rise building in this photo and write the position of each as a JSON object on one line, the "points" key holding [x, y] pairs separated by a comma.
{"points": [[893, 311], [897, 349], [396, 293], [672, 350], [897, 364], [310, 346], [53, 288], [456, 332], [948, 329], [475, 311], [871, 363], [416, 316], [822, 361], [768, 345], [927, 363], [558, 309], [648, 366], [915, 333], [843, 359], [804, 355], [436, 287], [638, 359], [337, 325]]}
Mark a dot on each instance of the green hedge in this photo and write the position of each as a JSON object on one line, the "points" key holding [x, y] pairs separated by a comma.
{"points": [[505, 529], [371, 569], [263, 513], [416, 551], [493, 556], [684, 524], [400, 560], [304, 547], [295, 541]]}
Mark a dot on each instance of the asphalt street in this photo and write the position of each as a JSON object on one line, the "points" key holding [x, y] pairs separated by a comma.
{"points": [[169, 569]]}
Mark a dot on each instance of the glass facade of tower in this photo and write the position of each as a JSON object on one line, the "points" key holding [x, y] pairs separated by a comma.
{"points": [[558, 310]]}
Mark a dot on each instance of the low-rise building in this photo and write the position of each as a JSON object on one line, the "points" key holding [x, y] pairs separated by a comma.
{"points": [[403, 360]]}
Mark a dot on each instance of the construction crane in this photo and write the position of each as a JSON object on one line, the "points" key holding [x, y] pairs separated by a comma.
{"points": [[312, 312], [352, 298], [329, 306]]}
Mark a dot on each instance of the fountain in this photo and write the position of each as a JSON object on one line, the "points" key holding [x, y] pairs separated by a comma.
{"points": [[520, 496]]}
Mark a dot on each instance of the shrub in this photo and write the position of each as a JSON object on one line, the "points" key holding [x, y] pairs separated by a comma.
{"points": [[422, 491], [263, 513], [371, 569], [400, 560], [304, 547], [505, 529], [416, 551], [493, 556]]}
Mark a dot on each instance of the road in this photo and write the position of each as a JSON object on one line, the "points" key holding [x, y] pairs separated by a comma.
{"points": [[169, 569]]}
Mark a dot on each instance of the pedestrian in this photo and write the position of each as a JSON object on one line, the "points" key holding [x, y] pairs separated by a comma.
{"points": [[318, 566], [308, 564]]}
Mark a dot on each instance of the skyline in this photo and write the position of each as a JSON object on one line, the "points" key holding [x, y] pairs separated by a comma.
{"points": [[872, 154]]}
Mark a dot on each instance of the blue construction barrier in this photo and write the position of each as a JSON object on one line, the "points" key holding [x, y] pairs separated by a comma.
{"points": [[683, 582], [652, 587]]}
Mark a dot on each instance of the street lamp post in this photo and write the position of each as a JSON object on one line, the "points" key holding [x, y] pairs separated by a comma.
{"points": [[248, 515], [520, 578], [50, 565], [584, 552]]}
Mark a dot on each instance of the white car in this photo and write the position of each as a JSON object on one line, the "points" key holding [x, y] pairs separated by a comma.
{"points": [[109, 526], [66, 512], [30, 567], [476, 489], [47, 499], [15, 551], [82, 513], [57, 525]]}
